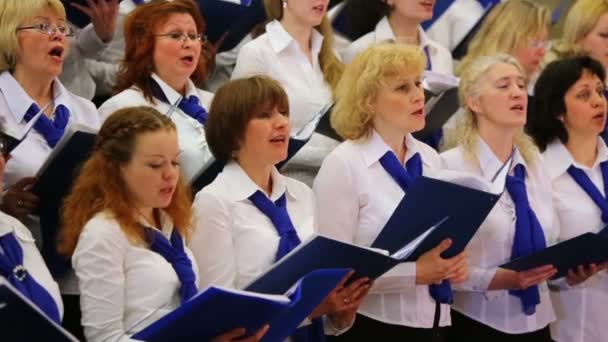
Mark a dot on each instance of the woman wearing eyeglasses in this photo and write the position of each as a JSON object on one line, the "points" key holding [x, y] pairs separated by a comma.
{"points": [[161, 68]]}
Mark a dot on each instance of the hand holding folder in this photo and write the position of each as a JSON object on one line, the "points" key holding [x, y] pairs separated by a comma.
{"points": [[217, 310]]}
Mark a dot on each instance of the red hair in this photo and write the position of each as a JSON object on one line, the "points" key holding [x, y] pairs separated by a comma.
{"points": [[140, 28]]}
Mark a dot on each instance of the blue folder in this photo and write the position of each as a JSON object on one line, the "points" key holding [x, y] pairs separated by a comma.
{"points": [[426, 203], [217, 311], [22, 322], [53, 184], [74, 15], [585, 249], [317, 253]]}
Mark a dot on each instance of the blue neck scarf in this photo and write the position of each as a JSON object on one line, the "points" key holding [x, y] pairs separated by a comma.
{"points": [[581, 178], [191, 105], [51, 130]]}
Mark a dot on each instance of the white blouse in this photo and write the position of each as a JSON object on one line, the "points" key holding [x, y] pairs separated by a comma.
{"points": [[355, 198], [441, 58], [27, 158], [32, 260], [277, 55], [580, 308], [491, 246], [124, 287], [195, 152]]}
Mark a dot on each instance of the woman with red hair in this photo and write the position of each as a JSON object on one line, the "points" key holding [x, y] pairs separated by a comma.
{"points": [[165, 59]]}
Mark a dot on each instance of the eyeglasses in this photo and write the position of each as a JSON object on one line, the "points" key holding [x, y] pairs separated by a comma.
{"points": [[537, 44], [182, 37], [50, 29]]}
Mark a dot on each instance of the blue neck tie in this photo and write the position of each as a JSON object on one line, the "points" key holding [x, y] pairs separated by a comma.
{"points": [[278, 215], [173, 252], [581, 178], [138, 2], [51, 130], [488, 4], [604, 133], [11, 267], [191, 105], [529, 236], [442, 293]]}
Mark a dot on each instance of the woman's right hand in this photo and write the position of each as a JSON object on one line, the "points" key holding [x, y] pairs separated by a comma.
{"points": [[431, 268], [19, 201], [511, 280], [235, 335]]}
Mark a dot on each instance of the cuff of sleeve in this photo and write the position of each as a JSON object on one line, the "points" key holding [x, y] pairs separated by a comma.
{"points": [[331, 329]]}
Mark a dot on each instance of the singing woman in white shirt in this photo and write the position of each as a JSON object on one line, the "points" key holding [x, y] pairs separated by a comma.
{"points": [[380, 103], [235, 239], [569, 113], [297, 50], [163, 63], [399, 21], [126, 224], [494, 303]]}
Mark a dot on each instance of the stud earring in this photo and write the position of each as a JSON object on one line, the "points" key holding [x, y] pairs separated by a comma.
{"points": [[284, 4]]}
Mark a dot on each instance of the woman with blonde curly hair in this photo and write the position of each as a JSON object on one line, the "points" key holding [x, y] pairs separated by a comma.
{"points": [[125, 226], [380, 102], [297, 50], [494, 303], [517, 27]]}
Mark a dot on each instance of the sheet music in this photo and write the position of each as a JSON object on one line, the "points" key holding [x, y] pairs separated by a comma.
{"points": [[309, 128]]}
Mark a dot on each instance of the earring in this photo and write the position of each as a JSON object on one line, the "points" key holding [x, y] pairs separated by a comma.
{"points": [[284, 4]]}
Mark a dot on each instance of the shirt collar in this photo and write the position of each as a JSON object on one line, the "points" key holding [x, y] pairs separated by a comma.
{"points": [[374, 147], [490, 164], [170, 93], [166, 224], [280, 39], [20, 101], [558, 159], [384, 32], [240, 186]]}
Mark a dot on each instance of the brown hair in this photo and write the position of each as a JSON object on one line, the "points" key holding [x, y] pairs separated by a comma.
{"points": [[140, 26], [100, 187], [330, 64], [234, 105]]}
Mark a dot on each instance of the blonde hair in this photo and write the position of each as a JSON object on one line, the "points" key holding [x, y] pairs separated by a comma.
{"points": [[330, 64], [12, 15], [363, 77], [581, 19], [465, 132], [509, 25]]}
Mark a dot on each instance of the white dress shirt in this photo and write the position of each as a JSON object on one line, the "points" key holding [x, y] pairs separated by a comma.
{"points": [[75, 75], [355, 198], [277, 55], [27, 158], [191, 134], [441, 58], [32, 260], [455, 23], [579, 309], [124, 287], [491, 246]]}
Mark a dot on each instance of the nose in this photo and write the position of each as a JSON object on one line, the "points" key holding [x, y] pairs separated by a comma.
{"points": [[171, 172], [418, 95]]}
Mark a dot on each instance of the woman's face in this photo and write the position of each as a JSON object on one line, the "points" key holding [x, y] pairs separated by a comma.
{"points": [[266, 137], [502, 100], [177, 49], [417, 10], [308, 12], [39, 52], [595, 43], [531, 54], [585, 106], [399, 104], [152, 173]]}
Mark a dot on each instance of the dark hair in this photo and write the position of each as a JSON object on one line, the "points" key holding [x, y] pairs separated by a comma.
{"points": [[140, 25], [364, 15], [548, 103], [234, 105]]}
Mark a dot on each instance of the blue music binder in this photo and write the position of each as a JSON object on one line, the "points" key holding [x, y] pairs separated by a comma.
{"points": [[22, 321], [321, 252], [218, 310], [583, 250], [426, 203]]}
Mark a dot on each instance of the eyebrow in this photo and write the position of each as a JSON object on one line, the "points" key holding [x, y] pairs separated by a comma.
{"points": [[160, 155], [46, 18]]}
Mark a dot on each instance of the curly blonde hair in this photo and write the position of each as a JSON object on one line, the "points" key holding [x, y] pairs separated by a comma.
{"points": [[465, 132], [363, 77]]}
